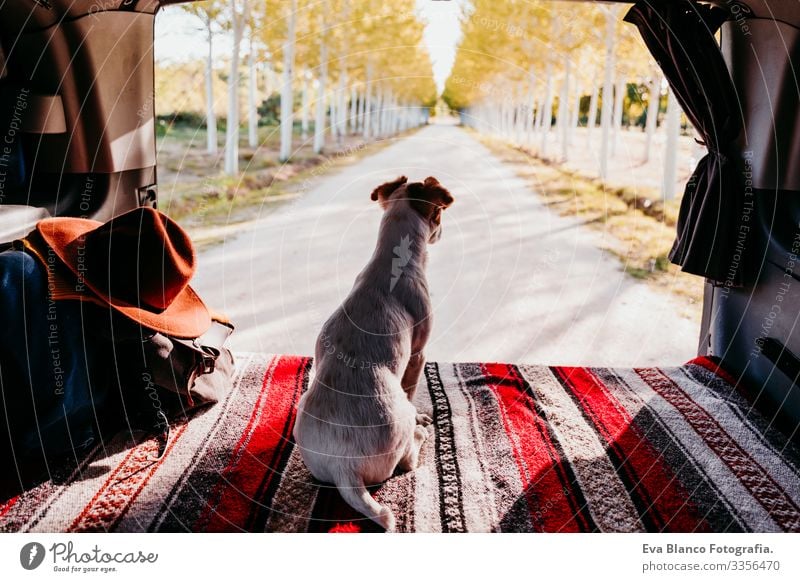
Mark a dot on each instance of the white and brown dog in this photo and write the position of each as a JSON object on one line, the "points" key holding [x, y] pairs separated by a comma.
{"points": [[355, 424]]}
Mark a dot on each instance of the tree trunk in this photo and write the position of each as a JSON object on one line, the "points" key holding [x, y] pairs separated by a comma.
{"points": [[576, 113], [530, 119], [608, 91], [519, 130], [305, 105], [344, 110], [393, 115], [379, 112], [671, 152], [387, 114], [547, 110], [367, 129], [341, 106], [232, 130], [591, 118], [269, 86], [398, 115], [319, 121], [504, 118], [353, 121], [321, 111], [537, 118], [362, 110], [563, 109], [385, 99], [211, 116], [619, 97], [653, 105], [252, 112], [499, 117], [511, 111], [332, 115], [287, 96]]}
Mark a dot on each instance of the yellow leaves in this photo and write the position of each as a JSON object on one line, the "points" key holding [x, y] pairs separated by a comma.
{"points": [[503, 41], [386, 37]]}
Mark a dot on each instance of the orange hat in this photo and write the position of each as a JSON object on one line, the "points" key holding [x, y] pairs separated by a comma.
{"points": [[139, 263]]}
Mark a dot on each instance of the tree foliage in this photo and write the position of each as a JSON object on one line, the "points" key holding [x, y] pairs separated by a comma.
{"points": [[516, 41], [360, 35]]}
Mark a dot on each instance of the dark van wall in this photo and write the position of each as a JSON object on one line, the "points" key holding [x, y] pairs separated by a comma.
{"points": [[756, 330], [77, 92]]}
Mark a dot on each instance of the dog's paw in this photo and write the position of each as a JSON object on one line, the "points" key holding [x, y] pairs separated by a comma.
{"points": [[424, 420]]}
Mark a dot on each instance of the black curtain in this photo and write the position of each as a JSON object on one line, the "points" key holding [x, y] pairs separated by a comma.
{"points": [[715, 216]]}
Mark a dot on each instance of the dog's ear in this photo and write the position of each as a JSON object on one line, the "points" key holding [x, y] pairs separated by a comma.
{"points": [[382, 192], [429, 198]]}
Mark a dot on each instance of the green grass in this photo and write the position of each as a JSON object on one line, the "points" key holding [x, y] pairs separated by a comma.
{"points": [[194, 191]]}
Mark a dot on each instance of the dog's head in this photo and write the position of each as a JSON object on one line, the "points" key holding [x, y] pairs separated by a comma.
{"points": [[428, 198]]}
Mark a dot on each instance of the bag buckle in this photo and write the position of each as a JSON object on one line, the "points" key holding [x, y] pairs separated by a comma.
{"points": [[209, 363]]}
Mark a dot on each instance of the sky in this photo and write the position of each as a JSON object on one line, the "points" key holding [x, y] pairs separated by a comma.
{"points": [[179, 37], [442, 33]]}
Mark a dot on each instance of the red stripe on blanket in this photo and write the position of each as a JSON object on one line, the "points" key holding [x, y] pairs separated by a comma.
{"points": [[538, 463], [124, 484], [258, 451], [752, 475], [662, 502], [348, 527], [6, 507]]}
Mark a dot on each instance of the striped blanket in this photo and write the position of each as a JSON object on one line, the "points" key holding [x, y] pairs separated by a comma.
{"points": [[513, 448]]}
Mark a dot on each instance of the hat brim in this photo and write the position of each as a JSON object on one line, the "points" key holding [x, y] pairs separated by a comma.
{"points": [[185, 317]]}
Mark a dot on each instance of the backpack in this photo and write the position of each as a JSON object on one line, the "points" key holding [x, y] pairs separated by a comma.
{"points": [[73, 371], [161, 378]]}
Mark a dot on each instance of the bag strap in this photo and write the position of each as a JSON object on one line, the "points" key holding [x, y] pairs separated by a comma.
{"points": [[14, 245], [207, 349]]}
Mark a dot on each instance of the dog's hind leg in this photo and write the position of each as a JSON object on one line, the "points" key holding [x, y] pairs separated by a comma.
{"points": [[411, 379], [416, 364], [410, 460]]}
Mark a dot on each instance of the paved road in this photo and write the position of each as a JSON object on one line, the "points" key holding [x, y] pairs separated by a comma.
{"points": [[510, 280]]}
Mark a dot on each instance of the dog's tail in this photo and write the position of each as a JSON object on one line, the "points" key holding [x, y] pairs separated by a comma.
{"points": [[351, 488]]}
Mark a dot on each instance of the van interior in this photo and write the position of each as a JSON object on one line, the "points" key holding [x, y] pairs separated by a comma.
{"points": [[77, 101]]}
